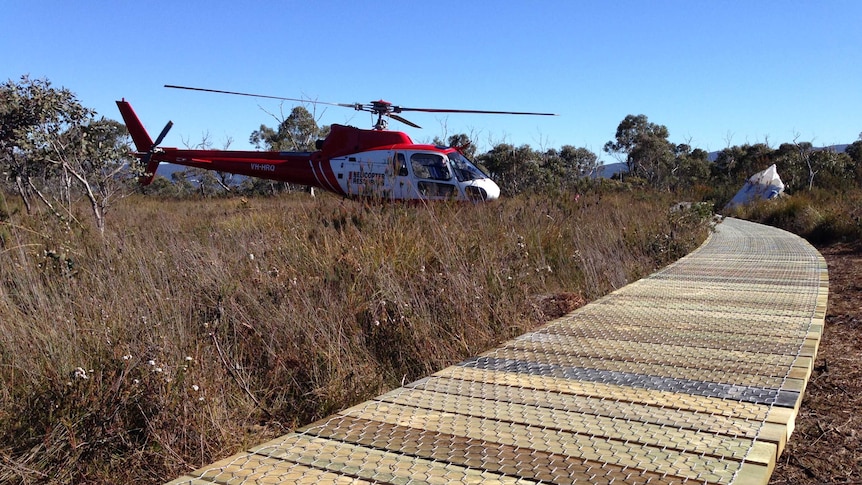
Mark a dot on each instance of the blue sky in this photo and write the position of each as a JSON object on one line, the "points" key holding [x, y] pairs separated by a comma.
{"points": [[712, 72]]}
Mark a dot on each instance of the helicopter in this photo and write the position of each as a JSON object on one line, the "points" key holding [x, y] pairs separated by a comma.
{"points": [[351, 162]]}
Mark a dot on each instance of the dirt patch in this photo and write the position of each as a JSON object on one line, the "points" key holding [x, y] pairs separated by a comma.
{"points": [[826, 446], [558, 304]]}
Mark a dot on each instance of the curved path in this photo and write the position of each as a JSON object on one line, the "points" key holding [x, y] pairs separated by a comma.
{"points": [[693, 374]]}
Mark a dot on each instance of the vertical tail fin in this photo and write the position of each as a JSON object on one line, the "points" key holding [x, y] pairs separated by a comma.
{"points": [[142, 140]]}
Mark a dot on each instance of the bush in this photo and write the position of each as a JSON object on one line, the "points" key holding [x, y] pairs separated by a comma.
{"points": [[819, 216]]}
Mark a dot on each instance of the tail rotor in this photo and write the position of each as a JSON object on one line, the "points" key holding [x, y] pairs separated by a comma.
{"points": [[155, 148], [145, 145]]}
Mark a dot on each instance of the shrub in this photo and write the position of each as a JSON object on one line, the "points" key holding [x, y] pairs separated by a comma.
{"points": [[819, 216]]}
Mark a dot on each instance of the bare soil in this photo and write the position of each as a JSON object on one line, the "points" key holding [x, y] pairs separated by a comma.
{"points": [[826, 446]]}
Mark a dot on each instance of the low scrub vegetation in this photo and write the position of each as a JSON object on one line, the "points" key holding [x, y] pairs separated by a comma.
{"points": [[822, 217], [194, 328]]}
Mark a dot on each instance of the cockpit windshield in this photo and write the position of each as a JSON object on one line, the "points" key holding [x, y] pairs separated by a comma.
{"points": [[464, 169]]}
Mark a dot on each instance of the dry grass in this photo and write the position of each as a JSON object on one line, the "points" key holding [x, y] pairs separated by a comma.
{"points": [[195, 328], [822, 217]]}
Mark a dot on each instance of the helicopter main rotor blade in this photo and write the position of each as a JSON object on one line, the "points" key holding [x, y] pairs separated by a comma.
{"points": [[345, 105], [380, 108], [404, 120], [398, 109]]}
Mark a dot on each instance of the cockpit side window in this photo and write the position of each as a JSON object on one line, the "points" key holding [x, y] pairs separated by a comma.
{"points": [[430, 166], [400, 163]]}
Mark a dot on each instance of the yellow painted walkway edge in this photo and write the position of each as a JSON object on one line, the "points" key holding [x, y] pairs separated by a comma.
{"points": [[693, 374]]}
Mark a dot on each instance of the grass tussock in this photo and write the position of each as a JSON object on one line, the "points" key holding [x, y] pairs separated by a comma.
{"points": [[195, 328]]}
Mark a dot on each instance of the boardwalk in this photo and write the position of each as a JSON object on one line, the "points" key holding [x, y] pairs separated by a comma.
{"points": [[693, 374]]}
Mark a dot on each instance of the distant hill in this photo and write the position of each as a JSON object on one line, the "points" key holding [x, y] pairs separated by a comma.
{"points": [[609, 170], [166, 170]]}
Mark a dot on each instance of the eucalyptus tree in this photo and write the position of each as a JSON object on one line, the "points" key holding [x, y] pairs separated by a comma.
{"points": [[579, 162], [515, 169], [648, 153], [95, 158], [460, 141], [299, 131], [854, 153], [691, 166], [53, 149], [801, 164], [737, 163], [33, 114], [566, 168]]}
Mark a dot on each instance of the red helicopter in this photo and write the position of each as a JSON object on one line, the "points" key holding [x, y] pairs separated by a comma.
{"points": [[351, 162]]}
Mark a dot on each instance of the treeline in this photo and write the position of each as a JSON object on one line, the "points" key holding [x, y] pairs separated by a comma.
{"points": [[54, 152], [649, 156]]}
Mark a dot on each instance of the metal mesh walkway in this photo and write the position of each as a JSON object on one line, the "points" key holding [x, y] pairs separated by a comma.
{"points": [[693, 374]]}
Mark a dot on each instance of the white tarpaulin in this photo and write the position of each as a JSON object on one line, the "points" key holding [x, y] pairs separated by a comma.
{"points": [[762, 185]]}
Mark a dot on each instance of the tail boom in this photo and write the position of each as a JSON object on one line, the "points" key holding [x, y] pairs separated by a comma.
{"points": [[303, 168]]}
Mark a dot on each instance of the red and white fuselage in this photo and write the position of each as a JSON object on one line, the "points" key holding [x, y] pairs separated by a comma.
{"points": [[350, 162]]}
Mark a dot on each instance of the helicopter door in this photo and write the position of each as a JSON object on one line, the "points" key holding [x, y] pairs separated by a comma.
{"points": [[433, 176], [402, 186]]}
